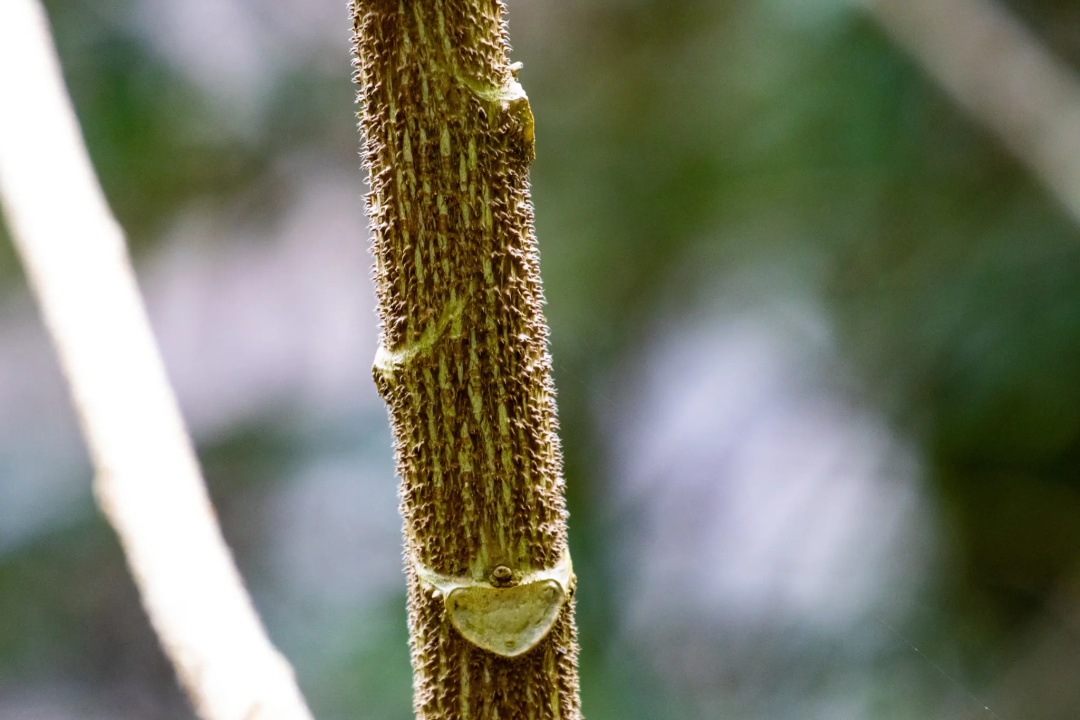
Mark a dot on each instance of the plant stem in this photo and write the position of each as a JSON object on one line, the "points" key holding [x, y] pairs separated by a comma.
{"points": [[463, 363], [147, 476]]}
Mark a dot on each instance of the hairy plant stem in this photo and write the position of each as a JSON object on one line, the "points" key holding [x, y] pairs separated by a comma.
{"points": [[463, 363]]}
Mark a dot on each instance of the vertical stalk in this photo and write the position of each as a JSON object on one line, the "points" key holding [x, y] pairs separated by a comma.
{"points": [[463, 363]]}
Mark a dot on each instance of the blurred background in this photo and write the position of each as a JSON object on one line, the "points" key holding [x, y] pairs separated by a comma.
{"points": [[816, 335]]}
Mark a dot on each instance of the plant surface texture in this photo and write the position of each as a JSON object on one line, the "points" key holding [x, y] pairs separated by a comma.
{"points": [[463, 363]]}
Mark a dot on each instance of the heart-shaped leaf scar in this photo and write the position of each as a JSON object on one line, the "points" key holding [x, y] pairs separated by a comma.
{"points": [[505, 614]]}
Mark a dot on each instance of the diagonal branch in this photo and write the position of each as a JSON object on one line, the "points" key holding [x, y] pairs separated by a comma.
{"points": [[148, 480], [1000, 72]]}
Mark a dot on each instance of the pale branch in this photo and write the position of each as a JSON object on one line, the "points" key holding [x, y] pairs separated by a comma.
{"points": [[147, 476], [1000, 72], [463, 362]]}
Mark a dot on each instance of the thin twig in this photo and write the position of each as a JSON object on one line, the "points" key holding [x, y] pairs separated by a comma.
{"points": [[148, 480], [1003, 75]]}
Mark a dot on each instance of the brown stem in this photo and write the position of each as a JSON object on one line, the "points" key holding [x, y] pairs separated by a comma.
{"points": [[463, 362]]}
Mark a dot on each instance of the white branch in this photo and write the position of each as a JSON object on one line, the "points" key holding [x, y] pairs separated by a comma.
{"points": [[1000, 72], [148, 480]]}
